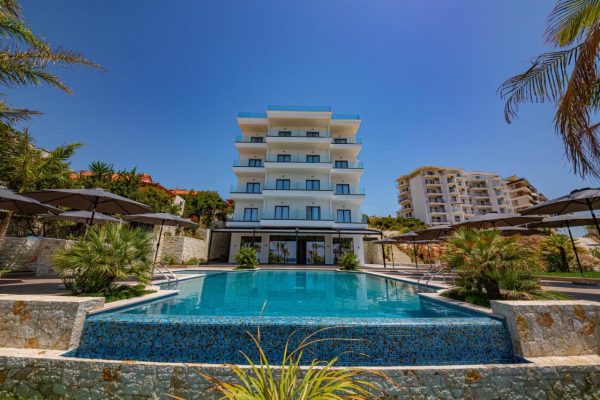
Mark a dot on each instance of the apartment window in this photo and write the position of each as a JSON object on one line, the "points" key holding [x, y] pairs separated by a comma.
{"points": [[311, 158], [312, 134], [282, 184], [284, 158], [342, 188], [252, 187], [284, 133], [313, 212], [255, 162], [344, 216], [282, 212], [313, 184], [250, 214], [456, 218], [341, 164], [256, 139], [340, 141]]}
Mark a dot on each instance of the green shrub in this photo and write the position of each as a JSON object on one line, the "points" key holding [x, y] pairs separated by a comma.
{"points": [[169, 260], [556, 253], [192, 261], [349, 262], [246, 258], [107, 253], [483, 259]]}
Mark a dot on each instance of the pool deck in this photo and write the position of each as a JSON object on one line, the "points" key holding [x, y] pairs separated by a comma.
{"points": [[52, 285]]}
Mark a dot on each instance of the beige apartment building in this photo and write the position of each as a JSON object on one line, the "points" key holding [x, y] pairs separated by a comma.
{"points": [[522, 193], [445, 195]]}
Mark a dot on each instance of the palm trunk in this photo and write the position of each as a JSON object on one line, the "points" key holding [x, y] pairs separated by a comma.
{"points": [[492, 289], [4, 224], [564, 263]]}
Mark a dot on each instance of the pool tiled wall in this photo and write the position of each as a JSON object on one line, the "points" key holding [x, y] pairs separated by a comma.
{"points": [[364, 342]]}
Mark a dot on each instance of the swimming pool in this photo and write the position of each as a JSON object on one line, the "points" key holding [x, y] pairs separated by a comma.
{"points": [[209, 320]]}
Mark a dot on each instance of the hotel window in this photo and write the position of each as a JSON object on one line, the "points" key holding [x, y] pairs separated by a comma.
{"points": [[284, 158], [282, 212], [344, 216], [255, 162], [340, 141], [285, 133], [341, 164], [313, 212], [342, 188], [282, 184], [252, 187], [250, 214], [256, 139], [313, 184], [310, 158], [312, 134]]}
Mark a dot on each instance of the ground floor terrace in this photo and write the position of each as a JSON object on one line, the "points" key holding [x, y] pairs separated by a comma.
{"points": [[299, 246]]}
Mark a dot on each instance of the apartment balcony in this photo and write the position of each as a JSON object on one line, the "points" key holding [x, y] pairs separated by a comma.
{"points": [[354, 195], [297, 218], [240, 223], [242, 192], [251, 167], [433, 193], [250, 143], [437, 211], [297, 190], [430, 183], [297, 163], [291, 139], [347, 168]]}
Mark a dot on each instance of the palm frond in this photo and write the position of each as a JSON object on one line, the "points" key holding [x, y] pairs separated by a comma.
{"points": [[10, 7], [10, 115], [11, 27], [572, 120], [569, 20], [544, 81]]}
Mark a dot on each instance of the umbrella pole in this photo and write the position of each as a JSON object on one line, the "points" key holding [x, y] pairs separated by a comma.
{"points": [[429, 254], [158, 243], [575, 251], [383, 253], [593, 215], [393, 263], [91, 220], [415, 251]]}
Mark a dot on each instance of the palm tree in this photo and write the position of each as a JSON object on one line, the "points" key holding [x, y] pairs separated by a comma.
{"points": [[25, 60], [482, 258], [566, 76]]}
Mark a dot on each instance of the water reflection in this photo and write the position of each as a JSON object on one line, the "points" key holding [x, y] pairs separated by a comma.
{"points": [[297, 293]]}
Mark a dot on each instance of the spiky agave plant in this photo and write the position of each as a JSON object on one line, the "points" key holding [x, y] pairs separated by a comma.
{"points": [[290, 381]]}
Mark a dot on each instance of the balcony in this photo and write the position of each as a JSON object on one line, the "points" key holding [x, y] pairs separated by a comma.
{"points": [[249, 166], [297, 190], [244, 192], [297, 218], [297, 162]]}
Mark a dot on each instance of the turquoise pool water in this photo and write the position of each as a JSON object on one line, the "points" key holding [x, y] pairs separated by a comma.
{"points": [[366, 320], [297, 294]]}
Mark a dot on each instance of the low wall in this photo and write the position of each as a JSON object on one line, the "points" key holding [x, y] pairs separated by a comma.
{"points": [[183, 248], [31, 375], [30, 254], [43, 322], [552, 328]]}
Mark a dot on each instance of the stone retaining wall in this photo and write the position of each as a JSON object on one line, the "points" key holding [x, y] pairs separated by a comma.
{"points": [[43, 322], [183, 248], [30, 254], [552, 328], [49, 376]]}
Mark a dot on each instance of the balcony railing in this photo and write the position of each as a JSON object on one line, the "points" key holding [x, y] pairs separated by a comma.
{"points": [[299, 159], [246, 163], [297, 215], [244, 189], [252, 115], [249, 139], [299, 108], [299, 134], [346, 141], [345, 116], [298, 186], [349, 165]]}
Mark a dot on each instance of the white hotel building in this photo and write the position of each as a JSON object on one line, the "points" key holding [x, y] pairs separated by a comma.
{"points": [[298, 192]]}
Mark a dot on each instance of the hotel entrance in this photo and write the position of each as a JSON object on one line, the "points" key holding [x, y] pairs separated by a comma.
{"points": [[301, 250]]}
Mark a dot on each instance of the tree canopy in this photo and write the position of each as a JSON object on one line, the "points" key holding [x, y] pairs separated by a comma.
{"points": [[400, 224]]}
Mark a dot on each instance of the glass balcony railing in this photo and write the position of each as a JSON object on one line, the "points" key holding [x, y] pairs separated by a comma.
{"points": [[299, 159], [245, 189], [346, 141], [299, 108], [298, 186], [299, 134], [248, 163], [252, 115], [348, 165], [345, 116], [249, 139], [298, 215], [352, 191]]}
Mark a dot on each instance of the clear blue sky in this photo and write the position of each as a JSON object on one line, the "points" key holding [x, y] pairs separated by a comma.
{"points": [[422, 74]]}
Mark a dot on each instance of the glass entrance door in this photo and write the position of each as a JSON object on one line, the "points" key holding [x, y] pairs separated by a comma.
{"points": [[282, 249]]}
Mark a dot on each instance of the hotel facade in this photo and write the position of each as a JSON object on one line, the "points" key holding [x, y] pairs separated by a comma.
{"points": [[298, 194], [444, 195]]}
